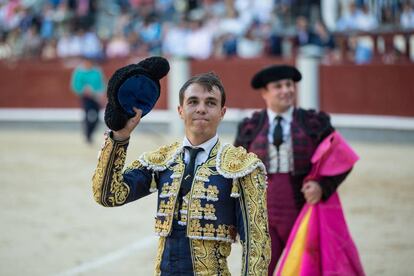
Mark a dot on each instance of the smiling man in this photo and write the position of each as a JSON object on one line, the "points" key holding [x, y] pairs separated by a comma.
{"points": [[285, 137], [209, 193]]}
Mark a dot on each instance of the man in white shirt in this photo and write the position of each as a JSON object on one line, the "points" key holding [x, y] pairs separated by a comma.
{"points": [[285, 137]]}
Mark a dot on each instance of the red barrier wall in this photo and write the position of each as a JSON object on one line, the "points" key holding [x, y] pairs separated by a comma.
{"points": [[368, 89], [353, 89], [40, 84]]}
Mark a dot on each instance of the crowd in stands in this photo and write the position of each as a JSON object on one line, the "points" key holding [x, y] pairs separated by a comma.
{"points": [[50, 29]]}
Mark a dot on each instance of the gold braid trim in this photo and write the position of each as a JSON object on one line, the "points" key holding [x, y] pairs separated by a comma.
{"points": [[108, 186], [161, 158], [160, 252], [210, 257], [256, 249], [235, 162]]}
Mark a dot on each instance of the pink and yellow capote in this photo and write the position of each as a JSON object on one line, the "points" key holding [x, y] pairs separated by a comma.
{"points": [[320, 242]]}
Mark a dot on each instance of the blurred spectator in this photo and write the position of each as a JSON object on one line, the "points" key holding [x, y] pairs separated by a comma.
{"points": [[88, 83], [118, 46], [388, 21], [175, 39], [150, 34], [32, 43], [365, 20], [47, 24], [407, 16], [322, 37], [250, 45], [227, 45], [304, 35], [85, 13], [217, 28], [349, 18], [27, 19], [5, 49], [251, 10], [90, 44], [359, 51], [69, 45], [199, 40], [166, 9], [61, 17], [49, 50], [12, 14], [15, 40]]}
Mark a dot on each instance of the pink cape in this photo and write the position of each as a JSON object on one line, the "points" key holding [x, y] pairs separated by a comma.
{"points": [[320, 242]]}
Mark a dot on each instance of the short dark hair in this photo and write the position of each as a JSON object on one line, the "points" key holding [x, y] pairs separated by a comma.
{"points": [[206, 80]]}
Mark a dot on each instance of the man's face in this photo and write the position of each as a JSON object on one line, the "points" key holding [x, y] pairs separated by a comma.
{"points": [[202, 112], [279, 95]]}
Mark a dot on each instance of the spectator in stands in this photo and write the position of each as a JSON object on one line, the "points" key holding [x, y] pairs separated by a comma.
{"points": [[150, 34], [365, 20], [118, 46], [348, 19], [175, 39], [70, 45], [88, 82], [199, 40], [250, 45], [5, 49], [322, 37], [304, 34], [91, 44], [15, 40], [407, 16], [359, 50], [49, 50], [47, 25], [32, 42], [62, 17]]}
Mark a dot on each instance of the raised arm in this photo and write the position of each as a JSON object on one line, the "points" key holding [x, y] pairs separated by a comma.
{"points": [[111, 185]]}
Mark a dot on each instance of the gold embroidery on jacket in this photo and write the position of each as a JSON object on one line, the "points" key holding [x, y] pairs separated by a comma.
{"points": [[116, 192], [98, 177], [160, 157], [167, 207], [210, 212], [212, 193], [210, 257], [257, 248], [160, 251]]}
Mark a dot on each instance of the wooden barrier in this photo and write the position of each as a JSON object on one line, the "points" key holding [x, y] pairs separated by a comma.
{"points": [[375, 89], [46, 84], [371, 89]]}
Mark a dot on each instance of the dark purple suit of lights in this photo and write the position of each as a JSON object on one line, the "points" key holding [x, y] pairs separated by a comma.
{"points": [[284, 196]]}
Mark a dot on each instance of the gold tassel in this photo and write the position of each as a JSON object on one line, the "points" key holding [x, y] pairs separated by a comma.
{"points": [[235, 189], [153, 187]]}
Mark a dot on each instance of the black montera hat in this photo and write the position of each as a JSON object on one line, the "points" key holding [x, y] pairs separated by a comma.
{"points": [[135, 85], [275, 73]]}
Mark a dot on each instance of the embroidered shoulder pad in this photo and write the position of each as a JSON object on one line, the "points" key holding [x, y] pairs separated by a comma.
{"points": [[161, 158], [235, 162]]}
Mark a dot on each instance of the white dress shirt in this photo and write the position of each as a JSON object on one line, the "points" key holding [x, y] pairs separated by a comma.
{"points": [[282, 161], [203, 155]]}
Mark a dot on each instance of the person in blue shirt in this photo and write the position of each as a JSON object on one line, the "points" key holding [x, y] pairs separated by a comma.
{"points": [[88, 82]]}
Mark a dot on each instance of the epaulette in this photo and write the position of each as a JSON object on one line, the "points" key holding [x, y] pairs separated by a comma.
{"points": [[161, 158], [248, 129], [316, 123], [235, 162]]}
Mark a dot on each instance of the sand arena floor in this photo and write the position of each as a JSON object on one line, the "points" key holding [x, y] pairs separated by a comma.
{"points": [[50, 225]]}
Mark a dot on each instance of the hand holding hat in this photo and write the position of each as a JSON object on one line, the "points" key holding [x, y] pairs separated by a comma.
{"points": [[134, 86]]}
